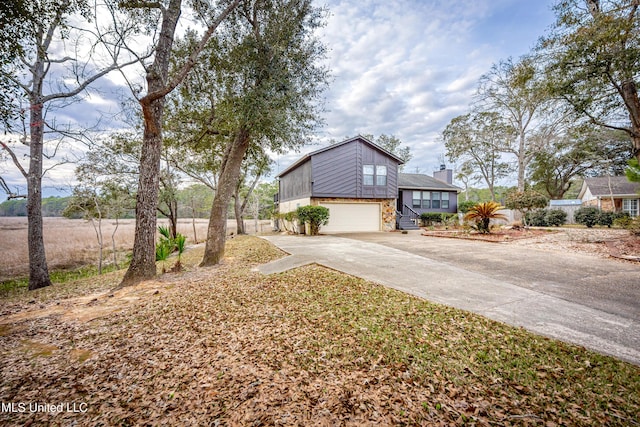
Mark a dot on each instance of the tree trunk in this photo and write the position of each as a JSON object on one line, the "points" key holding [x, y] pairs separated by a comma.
{"points": [[237, 207], [521, 162], [143, 261], [173, 218], [113, 244], [38, 269], [229, 175], [193, 220], [630, 95]]}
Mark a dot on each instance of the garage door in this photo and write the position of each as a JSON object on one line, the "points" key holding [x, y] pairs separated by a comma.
{"points": [[348, 217]]}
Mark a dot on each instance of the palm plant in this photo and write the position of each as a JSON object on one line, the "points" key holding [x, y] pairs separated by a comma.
{"points": [[483, 213]]}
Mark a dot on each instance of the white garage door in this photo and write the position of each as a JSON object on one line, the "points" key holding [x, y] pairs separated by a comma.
{"points": [[348, 217]]}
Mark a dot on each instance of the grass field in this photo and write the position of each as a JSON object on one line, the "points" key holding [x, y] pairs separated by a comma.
{"points": [[72, 243], [312, 346]]}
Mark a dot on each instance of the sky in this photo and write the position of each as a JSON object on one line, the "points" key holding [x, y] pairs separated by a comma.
{"points": [[401, 67]]}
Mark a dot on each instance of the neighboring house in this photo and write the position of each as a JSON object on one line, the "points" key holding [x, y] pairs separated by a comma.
{"points": [[357, 180], [611, 193], [422, 193]]}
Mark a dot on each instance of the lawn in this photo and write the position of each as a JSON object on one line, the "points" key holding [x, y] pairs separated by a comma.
{"points": [[228, 346]]}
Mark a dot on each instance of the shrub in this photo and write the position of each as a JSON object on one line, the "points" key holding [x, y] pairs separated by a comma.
{"points": [[483, 213], [525, 201], [555, 217], [429, 218], [628, 223], [622, 220], [606, 218], [465, 206], [587, 215], [316, 216], [537, 218]]}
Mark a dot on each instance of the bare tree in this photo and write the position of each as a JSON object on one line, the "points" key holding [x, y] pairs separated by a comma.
{"points": [[513, 90], [31, 73]]}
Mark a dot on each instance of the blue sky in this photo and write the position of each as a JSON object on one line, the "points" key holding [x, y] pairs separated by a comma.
{"points": [[399, 67]]}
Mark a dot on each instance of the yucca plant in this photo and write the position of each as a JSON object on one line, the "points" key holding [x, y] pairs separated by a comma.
{"points": [[483, 213]]}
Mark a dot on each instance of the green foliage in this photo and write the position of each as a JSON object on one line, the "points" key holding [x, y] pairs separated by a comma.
{"points": [[51, 206], [587, 215], [315, 216], [606, 218], [628, 223], [524, 201], [633, 170], [181, 244], [483, 213], [429, 218], [465, 205], [165, 245], [557, 165], [163, 250], [536, 218], [477, 141], [592, 60], [546, 218], [555, 217]]}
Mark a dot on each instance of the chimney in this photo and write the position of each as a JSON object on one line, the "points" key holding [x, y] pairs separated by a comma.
{"points": [[444, 175]]}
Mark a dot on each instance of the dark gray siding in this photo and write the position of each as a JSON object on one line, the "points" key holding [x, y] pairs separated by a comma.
{"points": [[338, 172], [335, 172], [406, 198], [296, 184]]}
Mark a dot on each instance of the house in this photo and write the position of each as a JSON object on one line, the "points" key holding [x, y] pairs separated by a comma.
{"points": [[611, 193], [359, 183]]}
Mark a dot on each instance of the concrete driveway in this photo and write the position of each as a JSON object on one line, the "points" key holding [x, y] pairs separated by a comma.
{"points": [[575, 298]]}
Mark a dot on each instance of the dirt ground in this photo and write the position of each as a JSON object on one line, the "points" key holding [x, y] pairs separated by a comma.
{"points": [[600, 242]]}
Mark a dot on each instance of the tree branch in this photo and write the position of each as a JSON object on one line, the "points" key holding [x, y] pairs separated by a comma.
{"points": [[86, 83], [14, 158], [191, 61]]}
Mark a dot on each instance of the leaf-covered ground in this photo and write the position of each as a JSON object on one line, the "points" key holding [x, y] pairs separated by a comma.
{"points": [[227, 346]]}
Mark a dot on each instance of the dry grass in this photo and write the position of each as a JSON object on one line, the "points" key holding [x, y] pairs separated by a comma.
{"points": [[228, 346], [72, 243]]}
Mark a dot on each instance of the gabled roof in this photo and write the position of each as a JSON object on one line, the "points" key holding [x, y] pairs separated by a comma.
{"points": [[417, 181], [610, 186], [332, 146]]}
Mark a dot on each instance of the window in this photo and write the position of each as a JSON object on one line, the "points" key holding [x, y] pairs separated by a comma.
{"points": [[435, 200], [367, 174], [430, 199], [630, 206], [381, 175], [374, 175], [426, 200], [416, 199], [445, 201]]}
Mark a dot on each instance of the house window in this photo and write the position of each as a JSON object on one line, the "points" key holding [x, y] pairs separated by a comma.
{"points": [[435, 200], [367, 173], [416, 199], [430, 199], [374, 175], [630, 206], [426, 200], [381, 175]]}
